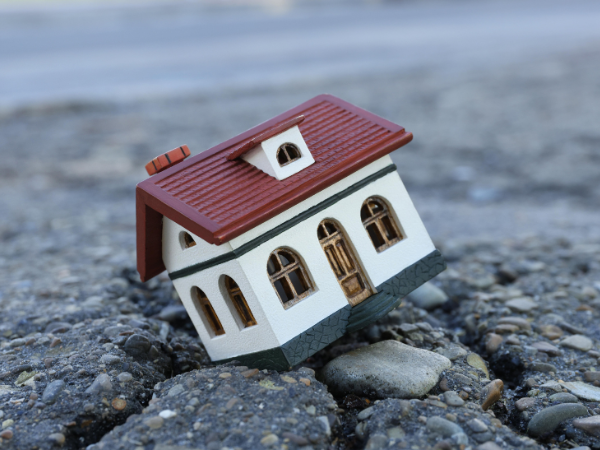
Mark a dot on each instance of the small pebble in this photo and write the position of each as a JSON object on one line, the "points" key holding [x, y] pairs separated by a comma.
{"points": [[269, 440], [6, 434], [154, 422], [524, 403], [492, 393], [167, 414], [59, 438], [578, 342]]}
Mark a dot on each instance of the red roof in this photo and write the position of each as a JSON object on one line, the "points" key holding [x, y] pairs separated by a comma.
{"points": [[218, 197]]}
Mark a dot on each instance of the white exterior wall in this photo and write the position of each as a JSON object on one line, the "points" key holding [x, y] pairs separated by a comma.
{"points": [[176, 257], [379, 267], [236, 340]]}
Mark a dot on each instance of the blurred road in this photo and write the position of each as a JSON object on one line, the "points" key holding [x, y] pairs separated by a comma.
{"points": [[111, 52]]}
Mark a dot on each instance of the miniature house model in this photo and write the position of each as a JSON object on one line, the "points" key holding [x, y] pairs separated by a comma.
{"points": [[283, 238]]}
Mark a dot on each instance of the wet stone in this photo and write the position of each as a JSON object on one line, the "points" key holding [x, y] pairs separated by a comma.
{"points": [[548, 419], [474, 360]]}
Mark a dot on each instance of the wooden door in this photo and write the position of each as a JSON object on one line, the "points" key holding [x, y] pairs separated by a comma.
{"points": [[343, 262]]}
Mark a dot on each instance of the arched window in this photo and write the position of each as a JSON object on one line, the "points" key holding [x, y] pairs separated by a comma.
{"points": [[187, 240], [288, 277], [240, 303], [378, 221], [344, 263], [206, 310], [287, 153]]}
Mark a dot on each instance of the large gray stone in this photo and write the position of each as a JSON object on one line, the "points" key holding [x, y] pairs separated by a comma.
{"points": [[52, 391], [548, 419], [428, 296], [443, 427], [578, 342], [386, 369]]}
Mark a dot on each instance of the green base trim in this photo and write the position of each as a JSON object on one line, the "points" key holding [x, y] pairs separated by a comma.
{"points": [[347, 319], [251, 245], [272, 359]]}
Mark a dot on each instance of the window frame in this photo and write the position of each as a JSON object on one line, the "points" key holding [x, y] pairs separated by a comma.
{"points": [[284, 273], [236, 291], [377, 219], [183, 240], [207, 312], [282, 148]]}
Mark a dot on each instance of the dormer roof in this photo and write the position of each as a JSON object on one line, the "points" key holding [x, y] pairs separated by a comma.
{"points": [[217, 195]]}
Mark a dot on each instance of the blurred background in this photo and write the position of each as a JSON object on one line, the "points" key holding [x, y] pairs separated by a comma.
{"points": [[503, 98]]}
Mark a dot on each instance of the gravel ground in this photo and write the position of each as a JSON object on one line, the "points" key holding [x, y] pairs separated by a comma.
{"points": [[91, 356]]}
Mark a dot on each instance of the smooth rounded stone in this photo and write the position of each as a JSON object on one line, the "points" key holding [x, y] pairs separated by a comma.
{"points": [[167, 414], [492, 343], [173, 312], [474, 360], [522, 304], [551, 331], [395, 433], [52, 391], [563, 397], [549, 418], [453, 399], [442, 426], [376, 442], [542, 367], [385, 369], [578, 342], [269, 440], [428, 296], [490, 445], [452, 352], [137, 344], [110, 359], [583, 390], [591, 376], [59, 438], [525, 403], [154, 422], [491, 393], [591, 425], [547, 348], [523, 324], [101, 384], [124, 377], [58, 327], [477, 426], [366, 413]]}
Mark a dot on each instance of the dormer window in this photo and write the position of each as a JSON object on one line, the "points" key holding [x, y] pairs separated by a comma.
{"points": [[287, 153], [275, 149]]}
